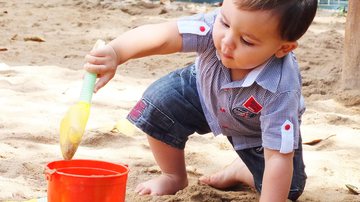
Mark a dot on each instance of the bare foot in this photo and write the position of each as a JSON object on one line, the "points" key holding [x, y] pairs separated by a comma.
{"points": [[162, 185], [233, 174]]}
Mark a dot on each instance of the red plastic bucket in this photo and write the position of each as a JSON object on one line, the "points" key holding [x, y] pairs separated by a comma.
{"points": [[85, 181]]}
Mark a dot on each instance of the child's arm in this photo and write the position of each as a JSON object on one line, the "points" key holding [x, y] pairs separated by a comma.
{"points": [[277, 175], [142, 41]]}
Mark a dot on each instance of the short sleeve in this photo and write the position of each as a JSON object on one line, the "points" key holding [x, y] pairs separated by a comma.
{"points": [[280, 122], [196, 31]]}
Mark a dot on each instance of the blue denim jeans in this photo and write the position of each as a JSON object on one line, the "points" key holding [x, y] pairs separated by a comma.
{"points": [[170, 111], [254, 160]]}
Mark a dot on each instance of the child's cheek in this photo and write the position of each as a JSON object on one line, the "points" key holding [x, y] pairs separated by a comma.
{"points": [[217, 36]]}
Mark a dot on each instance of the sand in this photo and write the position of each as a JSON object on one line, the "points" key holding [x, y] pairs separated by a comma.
{"points": [[42, 49]]}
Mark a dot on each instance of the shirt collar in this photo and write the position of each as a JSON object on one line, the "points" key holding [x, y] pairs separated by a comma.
{"points": [[253, 74], [249, 79], [267, 75], [269, 79]]}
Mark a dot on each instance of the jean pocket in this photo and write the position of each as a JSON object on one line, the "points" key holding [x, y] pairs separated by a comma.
{"points": [[155, 117]]}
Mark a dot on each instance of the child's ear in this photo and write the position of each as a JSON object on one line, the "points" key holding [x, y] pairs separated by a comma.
{"points": [[285, 48]]}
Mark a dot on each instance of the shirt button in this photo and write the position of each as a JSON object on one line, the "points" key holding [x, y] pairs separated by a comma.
{"points": [[202, 29], [222, 109]]}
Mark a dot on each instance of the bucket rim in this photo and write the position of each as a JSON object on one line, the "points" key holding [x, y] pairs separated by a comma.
{"points": [[51, 171]]}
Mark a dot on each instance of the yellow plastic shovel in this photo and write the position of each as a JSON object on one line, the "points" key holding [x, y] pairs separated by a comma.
{"points": [[73, 125]]}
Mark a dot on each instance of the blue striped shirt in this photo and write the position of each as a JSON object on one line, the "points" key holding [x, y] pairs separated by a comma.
{"points": [[254, 111]]}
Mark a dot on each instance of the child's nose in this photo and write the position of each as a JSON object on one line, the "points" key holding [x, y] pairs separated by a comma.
{"points": [[228, 41]]}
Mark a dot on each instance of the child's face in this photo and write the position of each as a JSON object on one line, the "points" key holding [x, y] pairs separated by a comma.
{"points": [[246, 39]]}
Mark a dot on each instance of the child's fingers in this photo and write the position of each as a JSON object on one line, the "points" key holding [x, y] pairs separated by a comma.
{"points": [[96, 69], [103, 51], [95, 60], [102, 81], [99, 52]]}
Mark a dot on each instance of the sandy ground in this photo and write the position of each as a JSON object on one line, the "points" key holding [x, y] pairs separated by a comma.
{"points": [[40, 80]]}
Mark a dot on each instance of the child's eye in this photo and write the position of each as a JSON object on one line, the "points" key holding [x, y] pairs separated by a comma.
{"points": [[224, 23], [245, 42]]}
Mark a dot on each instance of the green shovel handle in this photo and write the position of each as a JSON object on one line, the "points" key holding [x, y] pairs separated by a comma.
{"points": [[90, 79], [88, 87]]}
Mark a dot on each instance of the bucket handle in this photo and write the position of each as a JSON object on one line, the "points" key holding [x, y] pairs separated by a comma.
{"points": [[48, 173]]}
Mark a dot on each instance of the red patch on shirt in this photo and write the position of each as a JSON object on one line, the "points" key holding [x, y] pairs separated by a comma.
{"points": [[252, 105], [136, 112]]}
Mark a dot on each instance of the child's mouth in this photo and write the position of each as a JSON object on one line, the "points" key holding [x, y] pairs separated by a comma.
{"points": [[227, 56]]}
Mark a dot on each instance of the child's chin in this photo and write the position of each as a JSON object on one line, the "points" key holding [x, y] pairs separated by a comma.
{"points": [[227, 64]]}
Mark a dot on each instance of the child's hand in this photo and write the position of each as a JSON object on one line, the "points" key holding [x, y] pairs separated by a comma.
{"points": [[103, 62]]}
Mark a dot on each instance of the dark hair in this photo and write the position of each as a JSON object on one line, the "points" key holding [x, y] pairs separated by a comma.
{"points": [[295, 16]]}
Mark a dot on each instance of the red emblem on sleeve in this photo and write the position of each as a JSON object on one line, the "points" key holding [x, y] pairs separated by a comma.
{"points": [[252, 105]]}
